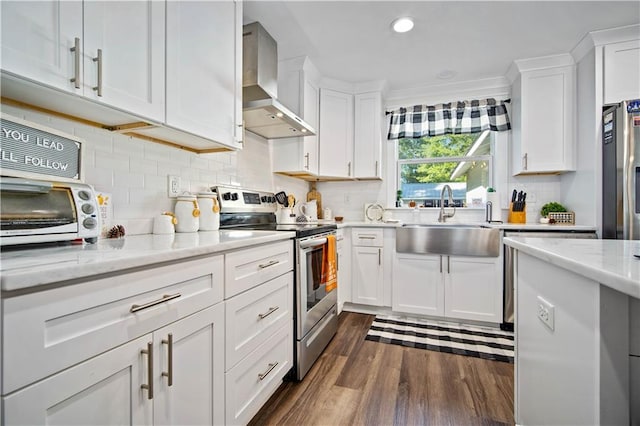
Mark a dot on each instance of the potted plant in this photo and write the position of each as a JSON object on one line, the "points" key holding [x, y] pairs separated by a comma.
{"points": [[551, 207], [399, 198]]}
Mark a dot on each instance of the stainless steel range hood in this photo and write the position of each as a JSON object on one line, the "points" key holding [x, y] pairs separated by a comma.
{"points": [[262, 113]]}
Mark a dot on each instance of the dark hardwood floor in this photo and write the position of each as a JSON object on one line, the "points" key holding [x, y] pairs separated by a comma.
{"points": [[358, 382]]}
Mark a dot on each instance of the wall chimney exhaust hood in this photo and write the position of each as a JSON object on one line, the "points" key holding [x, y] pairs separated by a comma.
{"points": [[262, 113]]}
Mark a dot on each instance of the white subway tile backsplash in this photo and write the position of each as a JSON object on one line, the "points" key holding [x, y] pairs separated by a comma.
{"points": [[128, 180], [155, 182], [128, 145], [153, 151], [116, 162], [100, 178]]}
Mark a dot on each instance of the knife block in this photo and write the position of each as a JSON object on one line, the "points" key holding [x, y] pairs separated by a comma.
{"points": [[517, 217]]}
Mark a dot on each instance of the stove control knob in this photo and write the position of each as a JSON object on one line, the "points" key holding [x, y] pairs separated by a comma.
{"points": [[272, 199], [264, 199], [234, 196], [226, 196]]}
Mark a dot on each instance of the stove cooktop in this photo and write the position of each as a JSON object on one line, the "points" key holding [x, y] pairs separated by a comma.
{"points": [[301, 229]]}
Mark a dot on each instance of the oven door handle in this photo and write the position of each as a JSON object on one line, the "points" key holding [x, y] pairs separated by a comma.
{"points": [[20, 185], [313, 243]]}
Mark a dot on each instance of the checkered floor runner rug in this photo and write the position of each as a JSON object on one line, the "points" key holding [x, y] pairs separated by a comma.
{"points": [[480, 342]]}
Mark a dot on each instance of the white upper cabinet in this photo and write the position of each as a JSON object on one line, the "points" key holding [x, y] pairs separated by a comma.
{"points": [[336, 134], [368, 135], [123, 55], [37, 38], [201, 69], [621, 71], [298, 90], [543, 115], [110, 52]]}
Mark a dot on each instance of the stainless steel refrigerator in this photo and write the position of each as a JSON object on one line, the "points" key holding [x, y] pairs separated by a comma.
{"points": [[621, 171]]}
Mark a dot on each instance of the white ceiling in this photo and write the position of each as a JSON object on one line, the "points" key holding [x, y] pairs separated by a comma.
{"points": [[352, 41]]}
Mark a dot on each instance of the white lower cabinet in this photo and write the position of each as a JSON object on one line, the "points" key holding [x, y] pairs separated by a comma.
{"points": [[418, 287], [367, 276], [102, 390], [343, 251], [189, 378], [258, 327], [250, 383], [115, 387], [450, 286]]}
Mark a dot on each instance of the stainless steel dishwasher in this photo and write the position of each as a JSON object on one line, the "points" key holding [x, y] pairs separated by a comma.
{"points": [[508, 302]]}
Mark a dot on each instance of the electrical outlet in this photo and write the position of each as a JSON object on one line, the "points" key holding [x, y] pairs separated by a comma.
{"points": [[174, 186], [546, 313]]}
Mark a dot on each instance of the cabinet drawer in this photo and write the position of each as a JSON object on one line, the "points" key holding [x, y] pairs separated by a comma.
{"points": [[367, 237], [250, 383], [245, 269], [47, 331], [251, 317]]}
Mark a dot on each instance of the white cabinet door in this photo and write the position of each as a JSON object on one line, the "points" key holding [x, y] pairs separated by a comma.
{"points": [[130, 37], [103, 390], [543, 121], [417, 286], [311, 114], [621, 71], [201, 68], [190, 354], [472, 288], [367, 135], [367, 279], [336, 134], [37, 38]]}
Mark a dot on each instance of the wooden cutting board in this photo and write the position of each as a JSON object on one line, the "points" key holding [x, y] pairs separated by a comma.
{"points": [[315, 195]]}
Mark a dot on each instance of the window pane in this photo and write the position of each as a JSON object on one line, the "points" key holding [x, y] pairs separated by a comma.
{"points": [[436, 146], [423, 183]]}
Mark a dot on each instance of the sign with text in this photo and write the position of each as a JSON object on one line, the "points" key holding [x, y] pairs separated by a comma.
{"points": [[30, 150]]}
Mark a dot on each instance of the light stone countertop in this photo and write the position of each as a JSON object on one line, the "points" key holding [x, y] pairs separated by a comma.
{"points": [[25, 268], [505, 226], [609, 262]]}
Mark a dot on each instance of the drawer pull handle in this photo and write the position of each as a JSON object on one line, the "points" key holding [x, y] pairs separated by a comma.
{"points": [[149, 353], [261, 376], [165, 298], [366, 237], [271, 263], [169, 373], [269, 312]]}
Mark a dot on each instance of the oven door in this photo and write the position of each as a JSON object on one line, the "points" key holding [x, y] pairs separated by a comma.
{"points": [[312, 299]]}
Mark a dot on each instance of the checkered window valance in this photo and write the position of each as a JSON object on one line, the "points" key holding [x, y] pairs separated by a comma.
{"points": [[452, 118]]}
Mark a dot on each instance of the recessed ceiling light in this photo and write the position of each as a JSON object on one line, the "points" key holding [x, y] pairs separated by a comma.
{"points": [[402, 25], [279, 115]]}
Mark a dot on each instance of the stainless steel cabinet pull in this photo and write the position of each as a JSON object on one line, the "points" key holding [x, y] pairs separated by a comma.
{"points": [[306, 159], [266, 265], [448, 264], [169, 373], [98, 59], [261, 376], [379, 256], [440, 263], [76, 63], [525, 161], [376, 169], [349, 169], [367, 237], [269, 312], [165, 298], [149, 353]]}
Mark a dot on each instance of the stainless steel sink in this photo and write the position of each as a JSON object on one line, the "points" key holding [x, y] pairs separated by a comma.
{"points": [[449, 239]]}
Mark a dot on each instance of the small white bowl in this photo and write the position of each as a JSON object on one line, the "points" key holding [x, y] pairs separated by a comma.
{"points": [[544, 220]]}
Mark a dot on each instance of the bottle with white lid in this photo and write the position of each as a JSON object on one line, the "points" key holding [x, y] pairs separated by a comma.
{"points": [[209, 211], [188, 213]]}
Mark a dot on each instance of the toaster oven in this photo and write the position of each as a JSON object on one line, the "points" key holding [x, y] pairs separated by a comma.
{"points": [[36, 211]]}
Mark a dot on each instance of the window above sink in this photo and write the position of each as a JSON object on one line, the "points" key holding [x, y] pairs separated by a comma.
{"points": [[462, 161]]}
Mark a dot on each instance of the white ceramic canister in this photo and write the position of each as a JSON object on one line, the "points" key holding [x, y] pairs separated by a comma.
{"points": [[188, 213], [209, 211]]}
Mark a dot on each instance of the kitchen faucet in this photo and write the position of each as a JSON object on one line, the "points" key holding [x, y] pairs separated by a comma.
{"points": [[442, 217]]}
